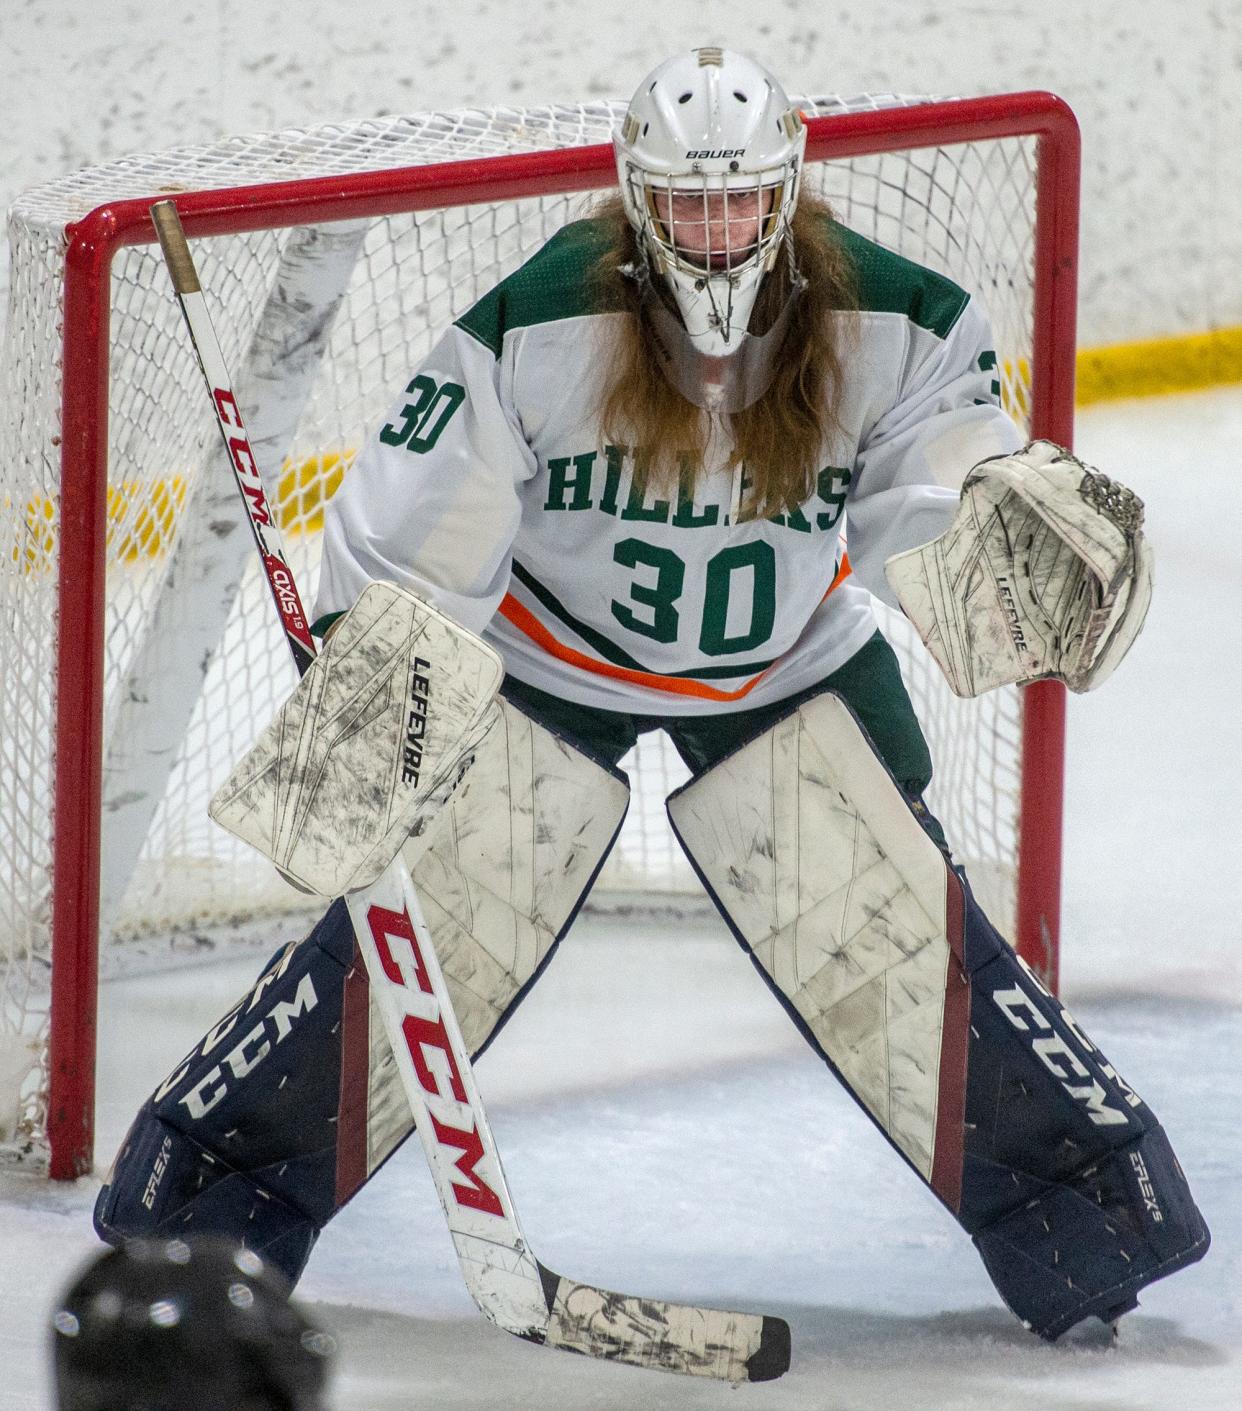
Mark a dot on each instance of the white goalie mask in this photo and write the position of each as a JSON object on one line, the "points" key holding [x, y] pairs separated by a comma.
{"points": [[709, 156]]}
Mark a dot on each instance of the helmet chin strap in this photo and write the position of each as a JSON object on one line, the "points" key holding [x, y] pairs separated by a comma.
{"points": [[720, 292]]}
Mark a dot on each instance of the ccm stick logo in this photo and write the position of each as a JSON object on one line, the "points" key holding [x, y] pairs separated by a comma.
{"points": [[427, 1042], [251, 482], [242, 456]]}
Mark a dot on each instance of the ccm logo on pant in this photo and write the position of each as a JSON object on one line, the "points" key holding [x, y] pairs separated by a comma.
{"points": [[427, 1042]]}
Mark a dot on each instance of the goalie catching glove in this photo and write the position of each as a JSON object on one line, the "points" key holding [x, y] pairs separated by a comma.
{"points": [[373, 741], [1044, 573]]}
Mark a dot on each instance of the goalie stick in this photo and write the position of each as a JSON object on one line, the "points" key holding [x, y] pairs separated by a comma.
{"points": [[508, 1284]]}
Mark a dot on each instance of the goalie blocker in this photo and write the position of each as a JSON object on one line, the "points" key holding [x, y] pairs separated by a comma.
{"points": [[978, 1077], [373, 741]]}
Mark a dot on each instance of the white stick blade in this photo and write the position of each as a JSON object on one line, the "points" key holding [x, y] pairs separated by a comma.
{"points": [[668, 1337]]}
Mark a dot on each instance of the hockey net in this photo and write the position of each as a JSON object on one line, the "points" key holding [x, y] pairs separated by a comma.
{"points": [[323, 311]]}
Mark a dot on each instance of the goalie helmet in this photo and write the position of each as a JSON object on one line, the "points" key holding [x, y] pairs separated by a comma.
{"points": [[709, 156], [185, 1325]]}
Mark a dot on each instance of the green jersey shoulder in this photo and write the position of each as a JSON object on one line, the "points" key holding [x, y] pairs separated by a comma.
{"points": [[889, 283], [564, 280], [560, 281]]}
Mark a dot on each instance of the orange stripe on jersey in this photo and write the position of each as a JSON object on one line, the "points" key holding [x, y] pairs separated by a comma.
{"points": [[529, 626], [843, 572]]}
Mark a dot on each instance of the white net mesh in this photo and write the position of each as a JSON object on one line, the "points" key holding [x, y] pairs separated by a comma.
{"points": [[967, 210]]}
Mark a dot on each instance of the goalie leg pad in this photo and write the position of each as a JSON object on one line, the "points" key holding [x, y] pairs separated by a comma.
{"points": [[292, 1101], [165, 1184], [267, 1127], [511, 861], [979, 1078], [1069, 1186], [1087, 1245]]}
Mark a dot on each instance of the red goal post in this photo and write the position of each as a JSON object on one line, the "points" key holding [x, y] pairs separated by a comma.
{"points": [[1043, 375]]}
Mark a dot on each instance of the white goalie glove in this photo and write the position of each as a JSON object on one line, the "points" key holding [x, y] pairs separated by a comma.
{"points": [[368, 748], [1045, 572]]}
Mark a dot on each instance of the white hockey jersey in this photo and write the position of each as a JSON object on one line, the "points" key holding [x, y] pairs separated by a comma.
{"points": [[490, 492]]}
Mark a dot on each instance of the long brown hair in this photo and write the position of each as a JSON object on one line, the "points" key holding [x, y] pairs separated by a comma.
{"points": [[779, 438]]}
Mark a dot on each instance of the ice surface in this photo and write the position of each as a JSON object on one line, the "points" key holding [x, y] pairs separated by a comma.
{"points": [[664, 1129]]}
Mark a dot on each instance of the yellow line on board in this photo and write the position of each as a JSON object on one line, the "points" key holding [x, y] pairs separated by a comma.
{"points": [[1158, 366]]}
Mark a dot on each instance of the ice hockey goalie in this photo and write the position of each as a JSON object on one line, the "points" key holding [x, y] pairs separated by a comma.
{"points": [[622, 478]]}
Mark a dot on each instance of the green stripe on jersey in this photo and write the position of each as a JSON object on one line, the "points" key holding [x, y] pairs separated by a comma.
{"points": [[615, 654], [889, 283], [555, 283], [320, 626]]}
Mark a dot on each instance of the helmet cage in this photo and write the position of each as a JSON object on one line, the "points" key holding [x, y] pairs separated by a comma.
{"points": [[689, 221]]}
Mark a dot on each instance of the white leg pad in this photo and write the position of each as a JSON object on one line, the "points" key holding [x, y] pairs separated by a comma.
{"points": [[810, 850], [510, 860]]}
